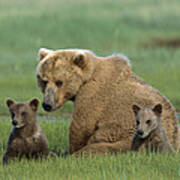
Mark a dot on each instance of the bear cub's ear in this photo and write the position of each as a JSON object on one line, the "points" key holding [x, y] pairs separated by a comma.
{"points": [[10, 103], [43, 52], [79, 60], [34, 104], [157, 109], [136, 109]]}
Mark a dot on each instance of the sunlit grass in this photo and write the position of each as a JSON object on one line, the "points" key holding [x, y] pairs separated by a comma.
{"points": [[119, 26], [121, 166]]}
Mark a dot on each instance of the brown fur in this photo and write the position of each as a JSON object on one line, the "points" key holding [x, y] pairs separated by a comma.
{"points": [[26, 138], [150, 135], [103, 89]]}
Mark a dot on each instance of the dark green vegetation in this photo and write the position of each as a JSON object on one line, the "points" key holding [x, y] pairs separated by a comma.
{"points": [[105, 27], [147, 31], [130, 166]]}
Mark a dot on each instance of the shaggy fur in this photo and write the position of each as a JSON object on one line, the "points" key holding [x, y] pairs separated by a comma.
{"points": [[103, 90], [150, 135], [26, 138]]}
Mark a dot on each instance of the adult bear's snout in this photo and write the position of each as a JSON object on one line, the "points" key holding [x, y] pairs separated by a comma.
{"points": [[47, 107]]}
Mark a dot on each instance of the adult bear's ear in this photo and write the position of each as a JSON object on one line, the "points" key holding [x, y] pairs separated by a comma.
{"points": [[157, 109], [10, 103], [136, 109], [80, 60], [43, 52], [34, 104]]}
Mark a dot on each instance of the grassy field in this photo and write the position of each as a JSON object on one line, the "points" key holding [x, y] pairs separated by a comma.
{"points": [[132, 27], [130, 166], [103, 26]]}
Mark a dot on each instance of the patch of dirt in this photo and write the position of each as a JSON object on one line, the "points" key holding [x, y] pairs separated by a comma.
{"points": [[174, 43], [170, 43]]}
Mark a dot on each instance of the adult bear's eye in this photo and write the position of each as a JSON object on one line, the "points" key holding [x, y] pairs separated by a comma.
{"points": [[44, 83], [59, 83], [23, 113]]}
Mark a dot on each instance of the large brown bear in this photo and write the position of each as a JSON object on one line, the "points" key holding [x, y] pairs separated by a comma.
{"points": [[103, 90]]}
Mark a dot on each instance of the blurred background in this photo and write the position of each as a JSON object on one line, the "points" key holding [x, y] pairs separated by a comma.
{"points": [[147, 31]]}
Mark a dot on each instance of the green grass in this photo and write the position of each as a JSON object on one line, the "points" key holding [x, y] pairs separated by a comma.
{"points": [[124, 167], [105, 27], [130, 166]]}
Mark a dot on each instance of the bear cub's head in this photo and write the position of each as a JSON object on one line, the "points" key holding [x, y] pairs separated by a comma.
{"points": [[61, 73], [23, 114], [147, 119]]}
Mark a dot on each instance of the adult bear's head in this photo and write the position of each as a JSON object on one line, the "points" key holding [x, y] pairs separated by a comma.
{"points": [[61, 73]]}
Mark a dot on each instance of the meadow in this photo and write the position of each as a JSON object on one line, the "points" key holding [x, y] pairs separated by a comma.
{"points": [[129, 166], [146, 31]]}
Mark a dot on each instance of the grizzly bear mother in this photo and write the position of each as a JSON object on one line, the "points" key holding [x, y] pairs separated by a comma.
{"points": [[103, 90]]}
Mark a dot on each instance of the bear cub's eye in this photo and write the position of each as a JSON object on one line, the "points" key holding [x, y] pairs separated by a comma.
{"points": [[148, 122], [59, 83], [137, 122], [23, 113], [12, 115]]}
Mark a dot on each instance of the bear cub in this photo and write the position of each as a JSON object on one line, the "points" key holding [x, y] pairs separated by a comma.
{"points": [[26, 138], [150, 135]]}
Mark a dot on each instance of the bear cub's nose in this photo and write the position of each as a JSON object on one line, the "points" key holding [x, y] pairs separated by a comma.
{"points": [[140, 132], [14, 122], [46, 107]]}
